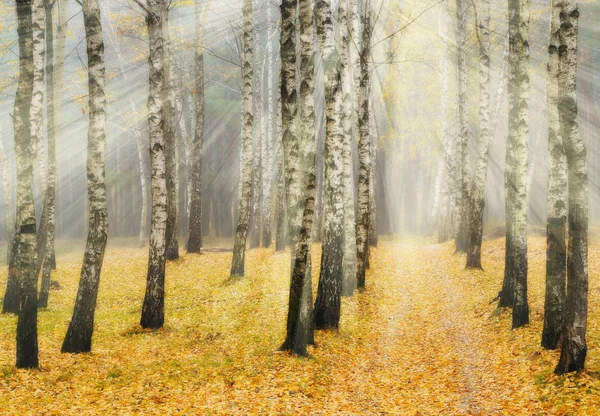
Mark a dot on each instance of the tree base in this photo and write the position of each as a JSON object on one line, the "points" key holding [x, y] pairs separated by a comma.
{"points": [[520, 316], [572, 357]]}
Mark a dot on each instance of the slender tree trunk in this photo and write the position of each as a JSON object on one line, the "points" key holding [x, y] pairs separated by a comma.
{"points": [[257, 167], [269, 144], [172, 174], [59, 70], [477, 199], [24, 254], [461, 238], [37, 103], [349, 260], [573, 344], [556, 254], [516, 161], [37, 122], [79, 334], [8, 201], [50, 199], [373, 233], [280, 238], [299, 322], [289, 115], [153, 315], [194, 243], [245, 187], [446, 218], [328, 303], [364, 153]]}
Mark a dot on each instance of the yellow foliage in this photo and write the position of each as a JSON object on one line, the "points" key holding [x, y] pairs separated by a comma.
{"points": [[422, 340]]}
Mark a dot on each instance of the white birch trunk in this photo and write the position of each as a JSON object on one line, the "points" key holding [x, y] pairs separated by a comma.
{"points": [[22, 271], [349, 262], [37, 102], [195, 231], [556, 265], [364, 152], [328, 302], [245, 187], [268, 153], [477, 198], [574, 345], [153, 306], [299, 322], [8, 199], [517, 151], [462, 154], [79, 334]]}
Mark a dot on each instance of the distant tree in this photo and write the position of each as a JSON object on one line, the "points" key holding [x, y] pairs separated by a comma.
{"points": [[50, 198], [245, 187], [194, 242], [556, 260], [269, 143], [79, 334], [477, 198], [153, 309], [258, 142], [573, 344], [280, 226], [8, 200], [445, 216], [364, 149], [462, 151], [171, 145]]}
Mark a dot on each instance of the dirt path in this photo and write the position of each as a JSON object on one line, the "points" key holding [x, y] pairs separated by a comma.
{"points": [[432, 347]]}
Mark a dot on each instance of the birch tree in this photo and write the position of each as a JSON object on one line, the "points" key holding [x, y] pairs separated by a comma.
{"points": [[268, 148], [37, 120], [461, 237], [79, 334], [573, 344], [299, 327], [171, 151], [23, 267], [245, 187], [328, 302], [556, 260], [364, 151], [37, 102], [477, 200], [514, 291], [445, 216], [349, 259], [50, 197], [194, 242], [8, 199], [153, 315]]}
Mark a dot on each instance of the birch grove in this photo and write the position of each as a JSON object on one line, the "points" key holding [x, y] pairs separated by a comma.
{"points": [[432, 167]]}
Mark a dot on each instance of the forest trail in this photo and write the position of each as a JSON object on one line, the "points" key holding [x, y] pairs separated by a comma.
{"points": [[421, 340]]}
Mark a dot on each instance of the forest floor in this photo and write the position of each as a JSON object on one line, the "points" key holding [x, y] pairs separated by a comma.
{"points": [[422, 340]]}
